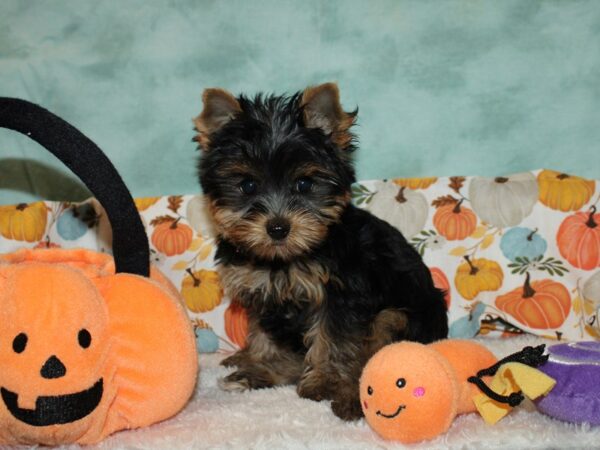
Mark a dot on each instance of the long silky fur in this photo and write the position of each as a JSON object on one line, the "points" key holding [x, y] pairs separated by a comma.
{"points": [[343, 284]]}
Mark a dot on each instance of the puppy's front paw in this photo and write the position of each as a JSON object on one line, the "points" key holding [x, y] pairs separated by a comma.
{"points": [[233, 383], [242, 380], [313, 389], [234, 360], [347, 408]]}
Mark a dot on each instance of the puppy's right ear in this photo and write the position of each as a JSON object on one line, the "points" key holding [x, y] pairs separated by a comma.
{"points": [[219, 108]]}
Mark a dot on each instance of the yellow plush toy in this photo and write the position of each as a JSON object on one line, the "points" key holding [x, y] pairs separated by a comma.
{"points": [[411, 392]]}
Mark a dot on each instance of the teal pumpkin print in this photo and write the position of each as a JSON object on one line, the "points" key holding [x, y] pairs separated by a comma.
{"points": [[75, 221], [522, 242], [468, 326], [206, 340]]}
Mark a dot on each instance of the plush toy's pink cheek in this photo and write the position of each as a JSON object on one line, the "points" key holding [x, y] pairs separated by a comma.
{"points": [[419, 391], [366, 405]]}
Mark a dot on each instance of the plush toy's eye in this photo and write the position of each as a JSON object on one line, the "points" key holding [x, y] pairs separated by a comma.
{"points": [[85, 338], [370, 390], [249, 186], [20, 342], [400, 382]]}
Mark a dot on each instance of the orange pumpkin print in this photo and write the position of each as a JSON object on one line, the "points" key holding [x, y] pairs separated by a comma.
{"points": [[415, 183], [540, 304], [202, 290], [578, 239], [477, 275], [24, 222], [454, 222], [172, 237], [236, 324], [440, 281], [564, 192]]}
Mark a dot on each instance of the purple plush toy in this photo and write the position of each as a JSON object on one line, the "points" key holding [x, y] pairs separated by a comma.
{"points": [[576, 395]]}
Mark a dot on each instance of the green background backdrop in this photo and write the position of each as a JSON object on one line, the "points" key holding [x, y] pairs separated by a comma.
{"points": [[443, 87]]}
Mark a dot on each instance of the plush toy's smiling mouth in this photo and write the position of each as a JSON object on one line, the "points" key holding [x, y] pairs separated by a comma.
{"points": [[391, 416], [55, 410]]}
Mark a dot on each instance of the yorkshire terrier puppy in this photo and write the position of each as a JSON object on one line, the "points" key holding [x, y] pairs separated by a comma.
{"points": [[325, 284]]}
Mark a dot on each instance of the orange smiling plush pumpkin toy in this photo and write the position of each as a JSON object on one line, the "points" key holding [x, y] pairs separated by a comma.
{"points": [[89, 345], [412, 392]]}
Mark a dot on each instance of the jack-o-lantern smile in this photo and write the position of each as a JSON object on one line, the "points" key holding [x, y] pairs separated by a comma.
{"points": [[391, 416], [56, 409], [53, 410]]}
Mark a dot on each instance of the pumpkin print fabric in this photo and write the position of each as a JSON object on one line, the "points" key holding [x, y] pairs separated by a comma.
{"points": [[23, 222], [516, 253]]}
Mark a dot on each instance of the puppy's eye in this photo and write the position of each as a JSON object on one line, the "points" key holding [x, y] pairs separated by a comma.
{"points": [[249, 186], [370, 390], [304, 185], [19, 343], [400, 382]]}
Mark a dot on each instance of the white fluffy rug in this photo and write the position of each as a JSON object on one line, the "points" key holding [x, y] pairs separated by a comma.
{"points": [[279, 419]]}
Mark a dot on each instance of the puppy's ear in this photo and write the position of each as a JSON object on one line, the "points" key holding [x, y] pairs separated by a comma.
{"points": [[322, 109], [219, 108]]}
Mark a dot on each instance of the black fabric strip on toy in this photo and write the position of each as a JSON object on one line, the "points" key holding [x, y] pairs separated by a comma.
{"points": [[513, 399], [86, 160], [531, 356]]}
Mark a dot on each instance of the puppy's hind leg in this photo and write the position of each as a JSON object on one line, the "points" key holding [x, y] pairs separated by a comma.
{"points": [[389, 325]]}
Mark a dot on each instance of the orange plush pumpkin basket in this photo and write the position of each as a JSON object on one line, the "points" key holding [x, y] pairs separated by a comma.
{"points": [[89, 345]]}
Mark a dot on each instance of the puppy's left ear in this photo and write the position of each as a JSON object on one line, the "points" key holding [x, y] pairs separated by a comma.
{"points": [[322, 109], [219, 108]]}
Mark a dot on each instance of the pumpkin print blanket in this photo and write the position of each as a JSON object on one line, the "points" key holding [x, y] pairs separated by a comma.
{"points": [[515, 254]]}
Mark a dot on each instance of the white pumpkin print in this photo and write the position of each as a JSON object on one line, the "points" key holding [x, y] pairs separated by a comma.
{"points": [[198, 216], [401, 207], [504, 201], [591, 290]]}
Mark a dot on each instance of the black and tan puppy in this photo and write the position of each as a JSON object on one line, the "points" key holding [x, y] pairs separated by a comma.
{"points": [[325, 284]]}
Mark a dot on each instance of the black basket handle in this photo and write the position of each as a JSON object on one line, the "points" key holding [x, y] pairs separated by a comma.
{"points": [[130, 243]]}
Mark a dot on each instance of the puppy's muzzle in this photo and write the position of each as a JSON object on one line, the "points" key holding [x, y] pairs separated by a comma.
{"points": [[278, 228]]}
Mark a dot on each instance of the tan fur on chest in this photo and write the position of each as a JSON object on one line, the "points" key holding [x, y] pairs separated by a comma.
{"points": [[299, 283]]}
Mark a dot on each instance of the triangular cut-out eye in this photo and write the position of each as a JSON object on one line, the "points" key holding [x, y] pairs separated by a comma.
{"points": [[85, 338], [19, 343]]}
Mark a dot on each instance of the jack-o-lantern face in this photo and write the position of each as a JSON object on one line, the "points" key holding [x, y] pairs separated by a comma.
{"points": [[53, 348], [54, 409], [404, 397]]}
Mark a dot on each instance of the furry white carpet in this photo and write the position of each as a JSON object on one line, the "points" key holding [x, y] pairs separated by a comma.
{"points": [[279, 419]]}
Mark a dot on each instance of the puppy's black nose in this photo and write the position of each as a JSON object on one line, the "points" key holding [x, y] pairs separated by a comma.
{"points": [[278, 229], [53, 368]]}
